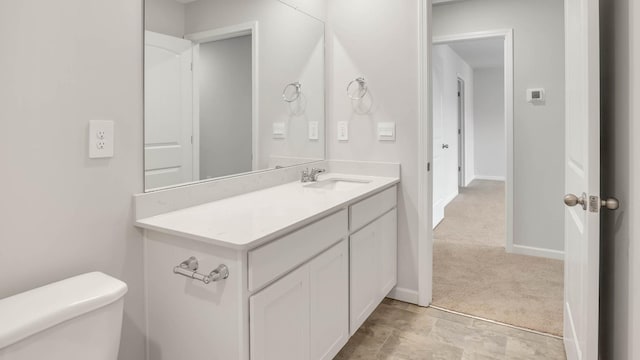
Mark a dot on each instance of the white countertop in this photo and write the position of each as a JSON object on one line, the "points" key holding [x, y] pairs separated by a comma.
{"points": [[252, 219]]}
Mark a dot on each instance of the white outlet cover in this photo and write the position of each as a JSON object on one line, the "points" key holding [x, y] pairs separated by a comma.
{"points": [[101, 139], [313, 130], [279, 130], [343, 131]]}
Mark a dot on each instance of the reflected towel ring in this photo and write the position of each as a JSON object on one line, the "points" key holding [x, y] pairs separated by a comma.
{"points": [[363, 89], [295, 96]]}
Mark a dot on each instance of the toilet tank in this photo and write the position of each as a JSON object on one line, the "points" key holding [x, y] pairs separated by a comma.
{"points": [[78, 318]]}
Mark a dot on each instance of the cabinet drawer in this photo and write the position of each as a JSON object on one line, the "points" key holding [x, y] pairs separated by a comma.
{"points": [[272, 260], [368, 209]]}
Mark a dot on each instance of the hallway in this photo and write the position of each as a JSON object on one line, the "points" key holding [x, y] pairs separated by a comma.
{"points": [[474, 275]]}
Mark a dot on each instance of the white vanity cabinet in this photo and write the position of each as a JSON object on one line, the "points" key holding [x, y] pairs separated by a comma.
{"points": [[373, 254], [297, 294], [372, 267], [303, 315]]}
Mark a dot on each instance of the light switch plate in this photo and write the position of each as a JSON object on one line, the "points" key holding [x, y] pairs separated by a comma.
{"points": [[313, 130], [279, 130], [387, 131], [101, 139], [343, 131]]}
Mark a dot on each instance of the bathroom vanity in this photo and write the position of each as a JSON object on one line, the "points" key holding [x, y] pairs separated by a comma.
{"points": [[243, 260], [307, 264]]}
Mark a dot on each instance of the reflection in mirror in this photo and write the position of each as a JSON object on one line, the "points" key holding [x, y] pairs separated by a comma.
{"points": [[230, 87]]}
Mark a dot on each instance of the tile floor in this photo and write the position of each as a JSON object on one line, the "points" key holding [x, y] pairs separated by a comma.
{"points": [[401, 331]]}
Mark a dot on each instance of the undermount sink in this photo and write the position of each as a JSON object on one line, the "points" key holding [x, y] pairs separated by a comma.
{"points": [[338, 184]]}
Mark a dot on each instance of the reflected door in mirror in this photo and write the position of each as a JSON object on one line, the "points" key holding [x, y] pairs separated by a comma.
{"points": [[168, 143]]}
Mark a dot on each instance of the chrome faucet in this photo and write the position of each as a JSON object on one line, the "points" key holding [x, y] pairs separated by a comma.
{"points": [[315, 172], [311, 176]]}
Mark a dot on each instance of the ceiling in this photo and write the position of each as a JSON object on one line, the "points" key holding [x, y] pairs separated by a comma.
{"points": [[481, 53]]}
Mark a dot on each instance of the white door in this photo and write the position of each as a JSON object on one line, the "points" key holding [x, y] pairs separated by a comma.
{"points": [[582, 168], [439, 171], [329, 302], [279, 319], [168, 151]]}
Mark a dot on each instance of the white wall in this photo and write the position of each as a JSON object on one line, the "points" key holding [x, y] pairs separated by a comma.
{"points": [[454, 67], [383, 47], [538, 130], [224, 76], [290, 49], [489, 127], [164, 17], [620, 253], [62, 214]]}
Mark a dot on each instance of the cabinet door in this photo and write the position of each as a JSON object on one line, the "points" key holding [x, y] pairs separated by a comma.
{"points": [[387, 233], [373, 269], [279, 319], [329, 289]]}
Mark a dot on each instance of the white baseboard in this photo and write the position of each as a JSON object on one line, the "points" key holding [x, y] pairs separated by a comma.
{"points": [[540, 252], [405, 295], [450, 198], [489, 177]]}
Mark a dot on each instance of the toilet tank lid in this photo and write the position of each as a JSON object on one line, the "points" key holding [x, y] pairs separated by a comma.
{"points": [[36, 310]]}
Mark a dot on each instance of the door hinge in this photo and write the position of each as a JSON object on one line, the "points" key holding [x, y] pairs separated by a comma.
{"points": [[458, 93], [428, 166], [459, 169], [192, 139], [459, 132], [191, 66]]}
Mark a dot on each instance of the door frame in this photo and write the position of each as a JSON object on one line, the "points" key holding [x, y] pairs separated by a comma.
{"points": [[634, 199], [462, 141], [425, 148], [228, 32]]}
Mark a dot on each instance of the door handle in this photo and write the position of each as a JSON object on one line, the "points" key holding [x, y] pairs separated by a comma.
{"points": [[609, 203], [445, 146], [572, 200]]}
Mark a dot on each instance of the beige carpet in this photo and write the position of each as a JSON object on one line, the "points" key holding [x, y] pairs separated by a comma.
{"points": [[476, 216], [474, 275]]}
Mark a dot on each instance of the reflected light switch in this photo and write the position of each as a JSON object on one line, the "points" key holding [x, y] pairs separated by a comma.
{"points": [[343, 131], [279, 130], [313, 130], [387, 131]]}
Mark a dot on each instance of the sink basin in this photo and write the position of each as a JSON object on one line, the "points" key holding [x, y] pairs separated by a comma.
{"points": [[338, 184]]}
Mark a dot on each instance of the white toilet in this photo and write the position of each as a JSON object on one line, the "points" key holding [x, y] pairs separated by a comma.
{"points": [[79, 318]]}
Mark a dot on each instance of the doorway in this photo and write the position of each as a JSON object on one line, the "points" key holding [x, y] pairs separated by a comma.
{"points": [[459, 264], [489, 50], [226, 99]]}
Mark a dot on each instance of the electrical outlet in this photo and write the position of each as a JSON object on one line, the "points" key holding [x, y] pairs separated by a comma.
{"points": [[101, 139]]}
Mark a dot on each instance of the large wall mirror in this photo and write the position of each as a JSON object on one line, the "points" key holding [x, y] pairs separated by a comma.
{"points": [[231, 87]]}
